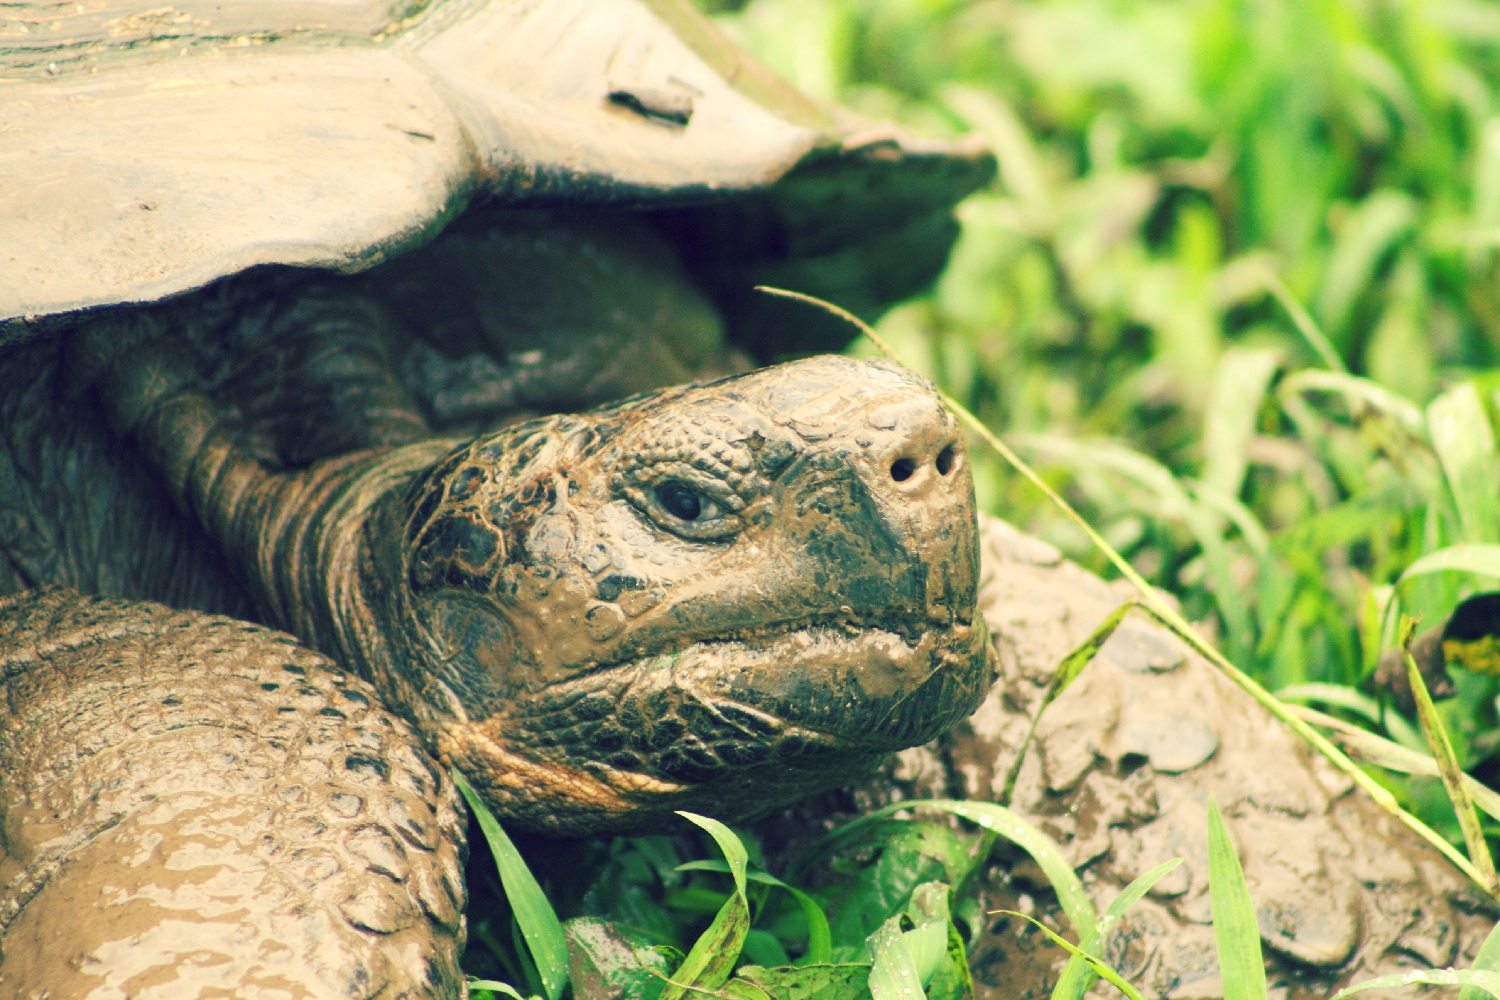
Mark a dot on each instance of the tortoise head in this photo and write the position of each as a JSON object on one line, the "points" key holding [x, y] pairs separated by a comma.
{"points": [[718, 597]]}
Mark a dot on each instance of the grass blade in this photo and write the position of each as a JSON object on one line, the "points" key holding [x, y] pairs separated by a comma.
{"points": [[819, 938], [1470, 978], [1304, 323], [1465, 444], [1102, 970], [1447, 762], [1381, 752], [1481, 559], [539, 924], [1240, 386], [711, 960], [1066, 673], [1362, 704], [494, 986], [1488, 960], [1078, 975], [1236, 933]]}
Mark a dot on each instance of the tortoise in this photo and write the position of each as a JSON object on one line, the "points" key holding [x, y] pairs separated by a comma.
{"points": [[298, 304], [303, 310]]}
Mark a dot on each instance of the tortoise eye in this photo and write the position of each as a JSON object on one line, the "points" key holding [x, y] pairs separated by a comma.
{"points": [[685, 503]]}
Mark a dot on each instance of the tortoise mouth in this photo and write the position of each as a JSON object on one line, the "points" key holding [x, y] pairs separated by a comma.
{"points": [[792, 713]]}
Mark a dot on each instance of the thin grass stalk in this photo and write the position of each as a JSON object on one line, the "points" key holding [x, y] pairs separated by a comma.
{"points": [[1304, 322], [1447, 761], [1168, 616]]}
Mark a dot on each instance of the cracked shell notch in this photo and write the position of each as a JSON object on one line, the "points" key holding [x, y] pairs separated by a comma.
{"points": [[716, 597]]}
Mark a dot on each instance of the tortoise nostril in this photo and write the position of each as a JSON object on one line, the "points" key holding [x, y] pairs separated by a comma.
{"points": [[902, 469], [944, 461]]}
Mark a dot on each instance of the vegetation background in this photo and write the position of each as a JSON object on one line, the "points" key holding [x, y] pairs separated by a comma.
{"points": [[1166, 168]]}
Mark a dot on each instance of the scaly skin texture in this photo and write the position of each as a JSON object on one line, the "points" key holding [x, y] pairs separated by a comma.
{"points": [[1120, 775], [812, 610], [717, 597], [192, 804]]}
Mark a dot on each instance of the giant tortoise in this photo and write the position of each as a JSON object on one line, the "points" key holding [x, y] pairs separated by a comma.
{"points": [[298, 304]]}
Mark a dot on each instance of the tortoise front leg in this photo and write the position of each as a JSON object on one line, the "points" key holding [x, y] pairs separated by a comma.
{"points": [[195, 806]]}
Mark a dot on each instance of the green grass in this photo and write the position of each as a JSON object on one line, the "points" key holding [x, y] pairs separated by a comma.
{"points": [[1235, 296]]}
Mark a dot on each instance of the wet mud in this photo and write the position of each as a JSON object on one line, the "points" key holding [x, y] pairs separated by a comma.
{"points": [[1124, 764]]}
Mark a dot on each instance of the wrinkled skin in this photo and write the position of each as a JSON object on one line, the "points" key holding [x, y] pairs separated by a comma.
{"points": [[1122, 769]]}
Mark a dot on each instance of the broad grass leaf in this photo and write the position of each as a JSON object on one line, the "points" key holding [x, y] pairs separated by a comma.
{"points": [[1362, 704], [538, 921], [1078, 975], [1372, 749], [819, 940], [494, 986], [1465, 444], [1359, 395], [1489, 982], [1000, 820], [712, 957], [1102, 970], [1242, 970], [1447, 762], [1372, 229], [928, 938], [894, 974], [1463, 558], [1488, 960], [1240, 383]]}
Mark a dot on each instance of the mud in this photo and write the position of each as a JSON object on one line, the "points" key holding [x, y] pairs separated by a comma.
{"points": [[1123, 767]]}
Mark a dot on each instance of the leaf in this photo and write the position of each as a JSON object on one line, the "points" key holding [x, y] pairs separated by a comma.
{"points": [[1240, 385], [823, 981], [1351, 700], [1464, 558], [1358, 394], [1488, 960], [1304, 322], [912, 852], [928, 938], [998, 819], [1078, 975], [712, 958], [1020, 165], [1447, 762], [1102, 970], [1242, 970], [819, 941], [1487, 981], [894, 975], [539, 924], [1066, 673], [494, 986], [763, 948], [610, 961], [1373, 749], [1373, 227], [1465, 444]]}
